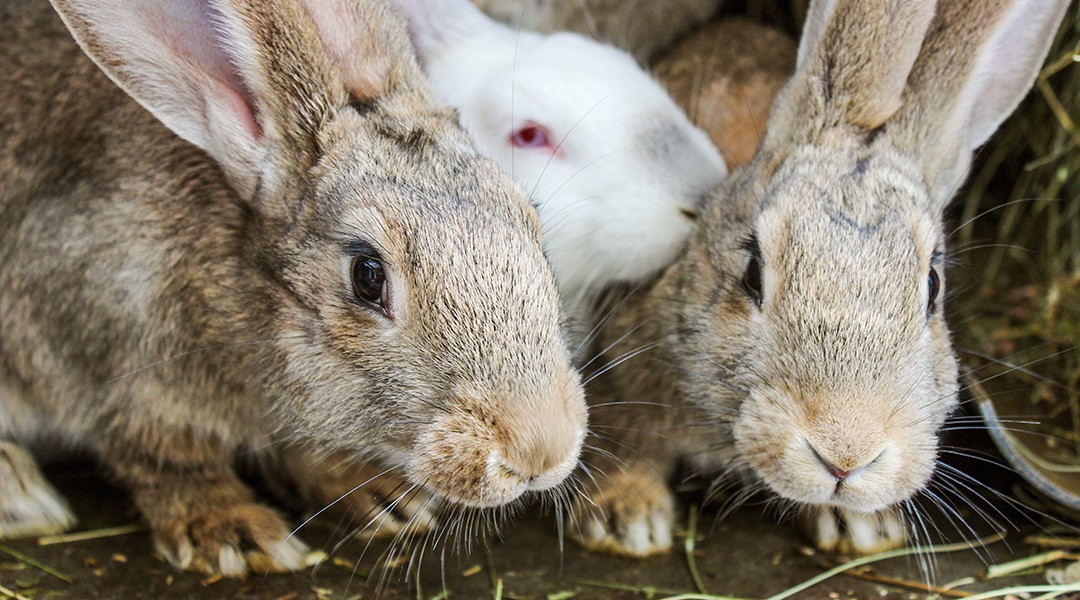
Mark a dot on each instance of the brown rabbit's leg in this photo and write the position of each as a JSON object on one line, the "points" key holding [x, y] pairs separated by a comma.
{"points": [[850, 532], [202, 517], [29, 505], [365, 497], [630, 512]]}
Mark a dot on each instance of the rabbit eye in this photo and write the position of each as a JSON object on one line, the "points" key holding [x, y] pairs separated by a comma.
{"points": [[369, 281], [933, 286], [531, 136], [751, 279]]}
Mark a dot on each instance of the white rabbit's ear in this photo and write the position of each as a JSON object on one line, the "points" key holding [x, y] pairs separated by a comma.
{"points": [[978, 63], [854, 60], [439, 24], [249, 82]]}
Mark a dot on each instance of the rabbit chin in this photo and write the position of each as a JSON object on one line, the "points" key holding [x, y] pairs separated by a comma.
{"points": [[886, 472], [479, 463]]}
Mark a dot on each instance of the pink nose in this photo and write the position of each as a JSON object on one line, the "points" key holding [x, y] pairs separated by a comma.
{"points": [[835, 471]]}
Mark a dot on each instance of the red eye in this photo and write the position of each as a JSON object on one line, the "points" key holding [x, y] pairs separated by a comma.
{"points": [[531, 136]]}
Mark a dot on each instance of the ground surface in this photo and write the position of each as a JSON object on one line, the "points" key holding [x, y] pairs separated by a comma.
{"points": [[746, 555]]}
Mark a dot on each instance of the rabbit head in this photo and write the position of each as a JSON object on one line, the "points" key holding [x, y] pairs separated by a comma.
{"points": [[825, 323], [400, 276], [616, 170]]}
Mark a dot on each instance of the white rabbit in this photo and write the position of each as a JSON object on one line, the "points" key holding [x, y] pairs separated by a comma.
{"points": [[614, 167]]}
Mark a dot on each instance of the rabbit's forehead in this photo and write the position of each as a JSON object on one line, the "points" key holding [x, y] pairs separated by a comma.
{"points": [[849, 211]]}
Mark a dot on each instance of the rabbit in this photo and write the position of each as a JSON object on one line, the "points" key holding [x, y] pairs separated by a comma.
{"points": [[264, 234], [616, 170], [642, 28], [800, 345], [725, 76]]}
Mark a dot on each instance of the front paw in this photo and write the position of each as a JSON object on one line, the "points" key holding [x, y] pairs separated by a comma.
{"points": [[631, 513], [375, 501], [29, 506], [379, 505], [846, 531], [230, 540]]}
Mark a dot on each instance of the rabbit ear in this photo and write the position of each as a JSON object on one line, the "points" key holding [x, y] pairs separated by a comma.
{"points": [[437, 24], [249, 82], [854, 59], [816, 18], [977, 64]]}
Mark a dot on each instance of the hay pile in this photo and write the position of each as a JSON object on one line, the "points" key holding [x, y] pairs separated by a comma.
{"points": [[1017, 254]]}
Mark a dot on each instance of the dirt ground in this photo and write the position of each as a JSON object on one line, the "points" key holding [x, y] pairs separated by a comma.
{"points": [[747, 555]]}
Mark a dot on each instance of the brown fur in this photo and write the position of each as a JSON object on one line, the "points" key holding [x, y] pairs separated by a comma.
{"points": [[725, 76], [643, 28], [171, 295], [843, 366]]}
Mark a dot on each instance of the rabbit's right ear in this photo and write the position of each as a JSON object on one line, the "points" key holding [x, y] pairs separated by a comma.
{"points": [[175, 58], [248, 81], [438, 24]]}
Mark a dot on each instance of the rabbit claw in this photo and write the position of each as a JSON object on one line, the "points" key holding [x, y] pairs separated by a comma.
{"points": [[29, 505], [234, 541], [631, 514], [844, 531]]}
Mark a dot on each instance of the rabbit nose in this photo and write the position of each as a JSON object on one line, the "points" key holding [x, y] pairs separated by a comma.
{"points": [[841, 472], [544, 462], [835, 471]]}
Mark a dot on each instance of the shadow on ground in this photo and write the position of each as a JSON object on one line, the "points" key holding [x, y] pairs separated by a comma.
{"points": [[746, 555]]}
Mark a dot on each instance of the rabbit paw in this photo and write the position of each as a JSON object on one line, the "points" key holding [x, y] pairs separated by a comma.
{"points": [[382, 507], [846, 531], [377, 503], [232, 541], [631, 514], [29, 506]]}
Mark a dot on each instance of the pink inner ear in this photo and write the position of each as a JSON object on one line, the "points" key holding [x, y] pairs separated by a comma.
{"points": [[235, 103], [364, 69], [192, 33]]}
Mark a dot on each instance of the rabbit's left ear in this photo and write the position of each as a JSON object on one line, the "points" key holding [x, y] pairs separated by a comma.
{"points": [[439, 24], [367, 42], [978, 62], [854, 60]]}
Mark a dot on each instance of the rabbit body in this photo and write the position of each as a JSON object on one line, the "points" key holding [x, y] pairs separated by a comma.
{"points": [[183, 274], [800, 347], [614, 167], [725, 75]]}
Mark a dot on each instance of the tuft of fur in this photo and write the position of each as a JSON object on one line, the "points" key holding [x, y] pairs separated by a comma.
{"points": [[176, 250], [619, 182], [798, 343]]}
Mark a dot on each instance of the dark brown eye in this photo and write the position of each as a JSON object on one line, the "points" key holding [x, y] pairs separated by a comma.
{"points": [[369, 280], [933, 285], [751, 280]]}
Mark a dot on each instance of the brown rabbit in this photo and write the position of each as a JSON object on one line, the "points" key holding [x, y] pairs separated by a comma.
{"points": [[264, 235], [801, 344], [725, 76], [641, 27]]}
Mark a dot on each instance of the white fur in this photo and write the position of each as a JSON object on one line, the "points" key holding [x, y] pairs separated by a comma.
{"points": [[29, 506], [614, 197]]}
